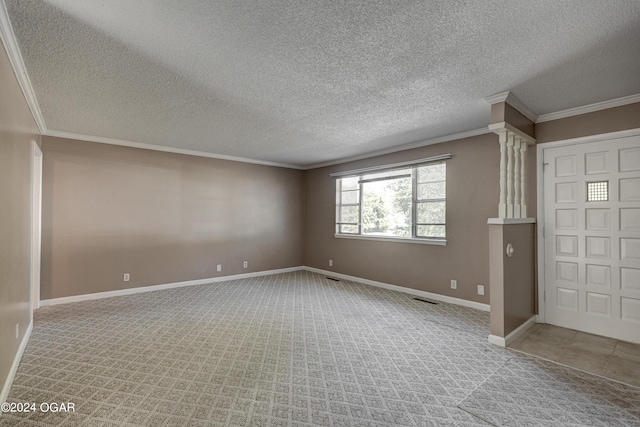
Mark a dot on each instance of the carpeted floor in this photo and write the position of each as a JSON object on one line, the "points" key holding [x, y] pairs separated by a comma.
{"points": [[294, 349]]}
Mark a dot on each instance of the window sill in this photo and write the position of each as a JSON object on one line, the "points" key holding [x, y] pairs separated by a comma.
{"points": [[437, 242]]}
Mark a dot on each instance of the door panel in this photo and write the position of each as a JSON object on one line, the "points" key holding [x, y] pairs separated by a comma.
{"points": [[592, 237]]}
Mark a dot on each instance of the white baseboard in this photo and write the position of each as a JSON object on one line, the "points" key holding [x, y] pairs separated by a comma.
{"points": [[14, 366], [515, 334], [131, 291], [416, 292]]}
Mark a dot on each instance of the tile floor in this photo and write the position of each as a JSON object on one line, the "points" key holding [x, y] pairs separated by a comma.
{"points": [[608, 357]]}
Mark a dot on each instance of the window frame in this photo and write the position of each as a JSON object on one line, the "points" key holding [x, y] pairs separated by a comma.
{"points": [[412, 167]]}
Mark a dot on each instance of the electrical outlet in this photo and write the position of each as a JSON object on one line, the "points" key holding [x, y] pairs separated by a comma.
{"points": [[245, 264], [330, 263], [219, 267], [454, 284], [480, 289], [126, 277], [17, 330]]}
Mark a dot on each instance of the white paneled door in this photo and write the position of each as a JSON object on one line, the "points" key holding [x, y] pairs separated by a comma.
{"points": [[592, 237]]}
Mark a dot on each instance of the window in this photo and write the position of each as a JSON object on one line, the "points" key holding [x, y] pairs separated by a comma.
{"points": [[407, 203], [598, 191]]}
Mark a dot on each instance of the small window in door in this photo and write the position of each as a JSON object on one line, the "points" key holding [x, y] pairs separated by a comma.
{"points": [[598, 191]]}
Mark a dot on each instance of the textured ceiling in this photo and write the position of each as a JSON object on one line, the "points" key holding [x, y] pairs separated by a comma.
{"points": [[309, 81]]}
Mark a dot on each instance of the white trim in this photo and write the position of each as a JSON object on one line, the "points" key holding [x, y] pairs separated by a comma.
{"points": [[437, 242], [540, 230], [131, 291], [508, 221], [14, 366], [17, 63], [404, 147], [153, 147], [619, 102], [36, 226], [514, 335], [540, 195], [416, 292], [399, 165], [500, 126], [514, 101]]}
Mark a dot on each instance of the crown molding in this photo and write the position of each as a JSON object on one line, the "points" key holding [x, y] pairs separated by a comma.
{"points": [[153, 147], [17, 63], [409, 146], [618, 102], [515, 102]]}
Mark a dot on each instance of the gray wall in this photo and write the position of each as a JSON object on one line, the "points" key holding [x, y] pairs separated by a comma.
{"points": [[17, 130], [161, 217]]}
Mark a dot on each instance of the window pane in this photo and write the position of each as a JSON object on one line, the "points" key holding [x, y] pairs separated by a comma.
{"points": [[432, 190], [348, 214], [350, 197], [351, 229], [431, 213], [350, 183], [432, 173], [431, 231], [598, 191], [386, 207]]}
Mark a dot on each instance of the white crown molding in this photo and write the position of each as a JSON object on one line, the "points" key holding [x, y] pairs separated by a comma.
{"points": [[17, 63], [404, 147], [618, 102], [498, 97], [514, 101], [165, 149]]}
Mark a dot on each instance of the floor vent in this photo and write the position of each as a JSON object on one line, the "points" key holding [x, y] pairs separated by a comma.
{"points": [[426, 300], [331, 278]]}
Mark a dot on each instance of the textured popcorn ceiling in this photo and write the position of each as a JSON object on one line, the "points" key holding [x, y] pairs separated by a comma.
{"points": [[308, 81]]}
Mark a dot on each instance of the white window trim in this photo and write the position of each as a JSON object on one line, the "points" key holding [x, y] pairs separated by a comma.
{"points": [[411, 163], [400, 165], [418, 240]]}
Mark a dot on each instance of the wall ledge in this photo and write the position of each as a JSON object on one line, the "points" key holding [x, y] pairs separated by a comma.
{"points": [[507, 221]]}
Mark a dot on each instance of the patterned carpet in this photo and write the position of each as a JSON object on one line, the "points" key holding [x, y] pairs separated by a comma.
{"points": [[294, 349]]}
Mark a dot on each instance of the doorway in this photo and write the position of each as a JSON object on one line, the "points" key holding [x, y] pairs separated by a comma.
{"points": [[591, 237]]}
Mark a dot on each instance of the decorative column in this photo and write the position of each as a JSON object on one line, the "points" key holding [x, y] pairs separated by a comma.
{"points": [[513, 175], [517, 178], [523, 174], [502, 205]]}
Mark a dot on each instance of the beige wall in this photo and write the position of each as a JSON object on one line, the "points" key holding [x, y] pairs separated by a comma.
{"points": [[17, 130], [604, 121], [513, 294], [504, 112], [161, 217], [472, 197]]}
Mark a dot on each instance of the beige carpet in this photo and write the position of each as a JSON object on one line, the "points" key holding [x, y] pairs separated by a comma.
{"points": [[291, 349]]}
